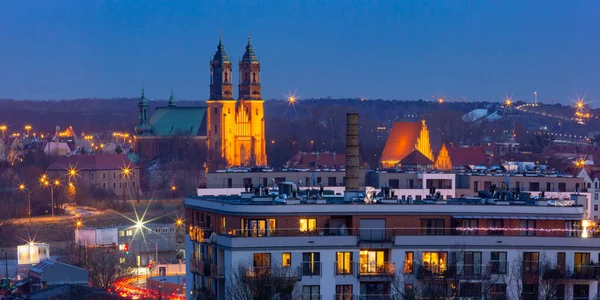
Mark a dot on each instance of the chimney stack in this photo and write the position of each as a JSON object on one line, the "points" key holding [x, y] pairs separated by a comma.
{"points": [[352, 158]]}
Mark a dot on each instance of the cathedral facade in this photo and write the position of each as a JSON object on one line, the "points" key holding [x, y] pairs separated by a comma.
{"points": [[235, 129]]}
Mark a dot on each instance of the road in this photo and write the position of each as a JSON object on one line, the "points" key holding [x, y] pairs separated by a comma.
{"points": [[72, 212]]}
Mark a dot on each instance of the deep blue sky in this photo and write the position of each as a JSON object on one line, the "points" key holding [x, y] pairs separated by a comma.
{"points": [[373, 49]]}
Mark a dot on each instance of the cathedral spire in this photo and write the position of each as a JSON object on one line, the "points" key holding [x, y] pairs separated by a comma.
{"points": [[220, 74], [423, 144], [143, 127], [172, 101]]}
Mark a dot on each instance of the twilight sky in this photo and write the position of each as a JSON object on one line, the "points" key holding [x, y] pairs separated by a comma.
{"points": [[480, 50]]}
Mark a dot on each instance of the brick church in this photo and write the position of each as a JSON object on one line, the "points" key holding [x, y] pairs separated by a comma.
{"points": [[233, 131]]}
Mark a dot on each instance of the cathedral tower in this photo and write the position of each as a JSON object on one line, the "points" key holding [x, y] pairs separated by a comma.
{"points": [[249, 87], [235, 129], [143, 126]]}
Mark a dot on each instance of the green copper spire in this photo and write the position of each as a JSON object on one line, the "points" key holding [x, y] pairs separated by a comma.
{"points": [[249, 55], [172, 100], [143, 127], [221, 55]]}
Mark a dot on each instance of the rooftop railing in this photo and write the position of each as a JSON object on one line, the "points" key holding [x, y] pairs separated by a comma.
{"points": [[386, 234]]}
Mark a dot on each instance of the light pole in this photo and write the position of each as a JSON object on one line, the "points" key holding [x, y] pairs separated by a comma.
{"points": [[47, 183], [125, 172], [28, 128], [3, 129], [23, 188]]}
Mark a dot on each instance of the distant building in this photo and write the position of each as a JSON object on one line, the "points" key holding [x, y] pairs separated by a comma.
{"points": [[317, 160], [443, 161], [416, 161], [467, 156], [50, 273], [403, 139], [233, 130], [170, 128], [236, 128], [100, 171], [154, 240]]}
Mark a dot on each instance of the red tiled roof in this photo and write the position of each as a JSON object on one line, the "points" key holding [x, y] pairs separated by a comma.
{"points": [[416, 158], [464, 156], [401, 141], [92, 162], [311, 160]]}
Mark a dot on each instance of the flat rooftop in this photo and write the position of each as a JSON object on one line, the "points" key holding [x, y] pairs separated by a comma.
{"points": [[332, 205]]}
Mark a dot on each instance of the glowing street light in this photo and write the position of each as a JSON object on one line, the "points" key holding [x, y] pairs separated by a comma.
{"points": [[25, 189], [508, 102], [28, 128], [3, 129], [179, 222]]}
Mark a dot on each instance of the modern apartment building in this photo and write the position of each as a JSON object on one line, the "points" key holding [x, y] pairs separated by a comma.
{"points": [[469, 248]]}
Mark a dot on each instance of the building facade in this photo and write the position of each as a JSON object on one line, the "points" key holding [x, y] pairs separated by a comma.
{"points": [[236, 128], [101, 172], [170, 130], [338, 250]]}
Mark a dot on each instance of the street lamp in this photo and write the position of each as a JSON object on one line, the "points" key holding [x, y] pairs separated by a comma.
{"points": [[3, 129], [47, 183], [23, 188], [125, 172], [28, 128]]}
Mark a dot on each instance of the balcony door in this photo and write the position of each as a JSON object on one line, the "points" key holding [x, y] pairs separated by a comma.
{"points": [[372, 262]]}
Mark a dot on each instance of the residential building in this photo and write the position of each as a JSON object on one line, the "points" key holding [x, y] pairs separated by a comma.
{"points": [[349, 249], [111, 173], [152, 241]]}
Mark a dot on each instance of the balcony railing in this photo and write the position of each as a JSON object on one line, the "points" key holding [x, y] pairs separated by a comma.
{"points": [[311, 268], [579, 272], [386, 234], [311, 297], [217, 270], [343, 268], [375, 297], [291, 273], [387, 269], [461, 271], [197, 266], [347, 296]]}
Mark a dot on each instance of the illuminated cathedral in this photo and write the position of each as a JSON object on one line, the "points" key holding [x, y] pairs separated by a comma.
{"points": [[404, 139], [236, 128], [233, 131]]}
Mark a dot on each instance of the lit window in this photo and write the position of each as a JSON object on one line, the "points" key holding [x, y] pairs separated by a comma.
{"points": [[343, 263], [308, 225], [435, 262], [129, 232], [122, 233], [408, 262], [286, 259]]}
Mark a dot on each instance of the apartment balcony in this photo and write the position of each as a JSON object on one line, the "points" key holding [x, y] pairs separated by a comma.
{"points": [[217, 271], [311, 297], [582, 272], [345, 297], [197, 266], [289, 273], [311, 268], [376, 297], [376, 272], [344, 268], [375, 238]]}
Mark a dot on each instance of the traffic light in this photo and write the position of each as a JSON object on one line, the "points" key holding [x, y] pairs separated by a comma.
{"points": [[126, 248], [150, 266]]}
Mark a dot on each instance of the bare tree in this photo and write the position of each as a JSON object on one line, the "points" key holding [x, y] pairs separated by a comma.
{"points": [[104, 265], [460, 275], [537, 279], [249, 282]]}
